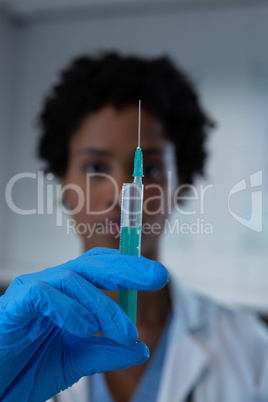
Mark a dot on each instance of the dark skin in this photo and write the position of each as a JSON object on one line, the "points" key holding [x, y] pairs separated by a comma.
{"points": [[105, 143]]}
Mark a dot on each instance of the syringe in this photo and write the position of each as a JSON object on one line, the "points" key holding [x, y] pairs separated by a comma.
{"points": [[131, 225]]}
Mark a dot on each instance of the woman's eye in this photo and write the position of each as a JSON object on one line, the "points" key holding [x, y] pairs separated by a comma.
{"points": [[153, 172], [94, 168]]}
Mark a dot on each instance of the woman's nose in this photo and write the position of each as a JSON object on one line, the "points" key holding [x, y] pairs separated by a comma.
{"points": [[114, 188]]}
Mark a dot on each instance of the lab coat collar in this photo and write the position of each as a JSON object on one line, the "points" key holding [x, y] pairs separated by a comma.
{"points": [[186, 358], [190, 309]]}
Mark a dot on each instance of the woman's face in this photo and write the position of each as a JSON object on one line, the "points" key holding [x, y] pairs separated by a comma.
{"points": [[101, 155]]}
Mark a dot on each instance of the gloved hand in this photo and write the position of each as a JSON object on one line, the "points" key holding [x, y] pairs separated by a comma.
{"points": [[48, 321]]}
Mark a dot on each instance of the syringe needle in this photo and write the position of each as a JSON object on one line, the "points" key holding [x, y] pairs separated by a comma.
{"points": [[139, 127], [131, 226]]}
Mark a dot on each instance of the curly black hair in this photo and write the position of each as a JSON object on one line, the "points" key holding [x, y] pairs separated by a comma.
{"points": [[90, 83]]}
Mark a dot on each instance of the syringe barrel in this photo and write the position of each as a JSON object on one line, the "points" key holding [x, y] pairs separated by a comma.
{"points": [[132, 203], [130, 238]]}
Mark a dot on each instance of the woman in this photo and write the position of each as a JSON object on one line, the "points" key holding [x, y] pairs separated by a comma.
{"points": [[199, 350]]}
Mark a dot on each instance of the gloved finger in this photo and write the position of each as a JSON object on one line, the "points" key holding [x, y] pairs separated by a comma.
{"points": [[74, 300], [111, 270], [107, 269], [99, 354], [41, 299], [85, 357], [112, 320]]}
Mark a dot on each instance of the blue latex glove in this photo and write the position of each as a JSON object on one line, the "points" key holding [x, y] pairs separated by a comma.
{"points": [[48, 321]]}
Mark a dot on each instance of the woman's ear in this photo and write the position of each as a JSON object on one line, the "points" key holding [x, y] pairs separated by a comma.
{"points": [[180, 191]]}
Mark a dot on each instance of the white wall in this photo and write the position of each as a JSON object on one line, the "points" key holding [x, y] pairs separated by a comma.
{"points": [[224, 51], [7, 60]]}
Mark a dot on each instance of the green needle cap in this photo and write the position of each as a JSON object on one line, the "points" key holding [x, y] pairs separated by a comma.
{"points": [[138, 163]]}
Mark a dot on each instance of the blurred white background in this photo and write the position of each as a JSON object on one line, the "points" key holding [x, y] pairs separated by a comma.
{"points": [[223, 46]]}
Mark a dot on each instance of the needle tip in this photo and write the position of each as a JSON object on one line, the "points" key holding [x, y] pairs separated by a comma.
{"points": [[139, 127]]}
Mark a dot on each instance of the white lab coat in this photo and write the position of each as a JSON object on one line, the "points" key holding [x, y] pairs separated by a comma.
{"points": [[220, 353]]}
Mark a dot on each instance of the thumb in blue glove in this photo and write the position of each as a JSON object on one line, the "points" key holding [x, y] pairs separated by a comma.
{"points": [[48, 321]]}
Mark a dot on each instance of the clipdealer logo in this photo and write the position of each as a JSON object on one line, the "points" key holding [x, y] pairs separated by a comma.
{"points": [[255, 220], [48, 191]]}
